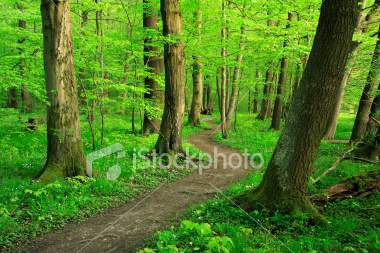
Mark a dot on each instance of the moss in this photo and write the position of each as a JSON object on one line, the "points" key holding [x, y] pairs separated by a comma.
{"points": [[51, 173], [290, 204]]}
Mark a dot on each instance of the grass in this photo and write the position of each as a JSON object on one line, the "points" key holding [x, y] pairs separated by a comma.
{"points": [[29, 208], [220, 226]]}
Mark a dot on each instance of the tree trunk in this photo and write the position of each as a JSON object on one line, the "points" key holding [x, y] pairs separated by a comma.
{"points": [[170, 138], [371, 147], [331, 129], [255, 108], [196, 104], [100, 59], [279, 102], [224, 70], [265, 102], [210, 102], [374, 117], [153, 95], [236, 77], [249, 102], [284, 186], [25, 94], [368, 95], [12, 98], [65, 156]]}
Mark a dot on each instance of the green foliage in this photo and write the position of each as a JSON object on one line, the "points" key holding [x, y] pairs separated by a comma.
{"points": [[353, 223], [29, 208]]}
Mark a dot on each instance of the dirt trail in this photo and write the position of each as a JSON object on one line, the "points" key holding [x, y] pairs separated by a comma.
{"points": [[125, 228]]}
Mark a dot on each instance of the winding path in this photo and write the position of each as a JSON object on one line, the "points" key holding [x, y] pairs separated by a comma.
{"points": [[124, 229]]}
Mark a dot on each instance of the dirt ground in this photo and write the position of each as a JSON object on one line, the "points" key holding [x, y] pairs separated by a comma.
{"points": [[124, 229]]}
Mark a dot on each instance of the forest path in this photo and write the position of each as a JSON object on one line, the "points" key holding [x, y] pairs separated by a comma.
{"points": [[124, 229]]}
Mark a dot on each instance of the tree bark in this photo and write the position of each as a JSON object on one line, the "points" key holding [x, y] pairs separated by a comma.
{"points": [[210, 102], [255, 108], [279, 102], [65, 157], [224, 70], [368, 95], [196, 104], [153, 95], [265, 102], [25, 94], [236, 77], [170, 138], [331, 129], [284, 186], [374, 117], [12, 98]]}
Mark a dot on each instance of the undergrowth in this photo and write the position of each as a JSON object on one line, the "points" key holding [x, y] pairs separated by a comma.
{"points": [[29, 208], [220, 226]]}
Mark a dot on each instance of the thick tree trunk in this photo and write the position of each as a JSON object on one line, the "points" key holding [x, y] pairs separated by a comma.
{"points": [[196, 104], [236, 77], [279, 102], [153, 95], [65, 156], [368, 95], [284, 185], [170, 138]]}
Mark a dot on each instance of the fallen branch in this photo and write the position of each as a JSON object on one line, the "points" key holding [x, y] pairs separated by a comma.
{"points": [[374, 120], [338, 141], [335, 165], [362, 159]]}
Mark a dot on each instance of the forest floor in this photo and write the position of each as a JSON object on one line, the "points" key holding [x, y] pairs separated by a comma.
{"points": [[124, 229], [30, 210]]}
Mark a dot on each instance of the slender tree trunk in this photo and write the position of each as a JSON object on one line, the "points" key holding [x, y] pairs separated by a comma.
{"points": [[331, 129], [153, 95], [196, 104], [25, 94], [65, 157], [170, 138], [284, 186], [265, 102], [224, 69], [100, 58], [370, 149], [374, 117], [255, 108], [210, 103], [368, 95], [12, 98], [249, 102], [218, 87], [279, 102], [236, 77]]}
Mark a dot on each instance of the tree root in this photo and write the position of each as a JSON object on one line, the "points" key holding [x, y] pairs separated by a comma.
{"points": [[256, 200]]}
